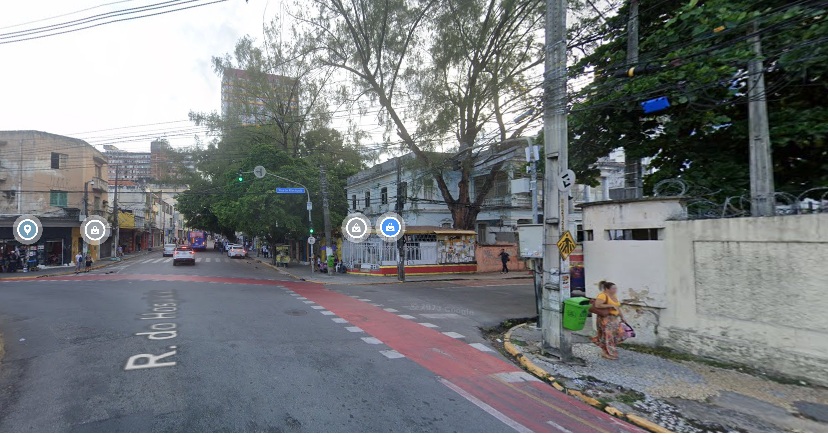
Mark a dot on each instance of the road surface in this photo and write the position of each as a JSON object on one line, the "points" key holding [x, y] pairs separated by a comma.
{"points": [[231, 345]]}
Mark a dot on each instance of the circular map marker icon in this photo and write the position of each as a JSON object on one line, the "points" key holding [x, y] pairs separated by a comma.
{"points": [[27, 229], [95, 230]]}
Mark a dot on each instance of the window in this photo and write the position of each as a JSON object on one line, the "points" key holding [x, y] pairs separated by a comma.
{"points": [[367, 199], [59, 160], [384, 196], [353, 201], [97, 171], [647, 234], [97, 203], [57, 198], [428, 189]]}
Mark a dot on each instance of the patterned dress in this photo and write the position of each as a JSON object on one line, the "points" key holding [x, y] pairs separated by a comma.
{"points": [[610, 332]]}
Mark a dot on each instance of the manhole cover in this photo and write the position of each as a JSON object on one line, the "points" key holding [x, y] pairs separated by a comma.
{"points": [[296, 312]]}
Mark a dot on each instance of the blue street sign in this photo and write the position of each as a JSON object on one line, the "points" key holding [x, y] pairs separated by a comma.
{"points": [[290, 190]]}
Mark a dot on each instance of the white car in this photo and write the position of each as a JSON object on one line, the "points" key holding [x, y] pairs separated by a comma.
{"points": [[236, 251], [183, 254], [169, 249]]}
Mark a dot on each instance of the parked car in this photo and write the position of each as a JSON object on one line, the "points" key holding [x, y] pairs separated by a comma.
{"points": [[169, 249], [184, 255], [236, 251]]}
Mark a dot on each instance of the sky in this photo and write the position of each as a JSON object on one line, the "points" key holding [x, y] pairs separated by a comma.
{"points": [[134, 73]]}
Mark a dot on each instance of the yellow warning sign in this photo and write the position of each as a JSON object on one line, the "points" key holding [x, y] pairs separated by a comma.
{"points": [[566, 245]]}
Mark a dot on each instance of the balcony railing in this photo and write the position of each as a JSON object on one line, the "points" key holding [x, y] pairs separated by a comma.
{"points": [[100, 184]]}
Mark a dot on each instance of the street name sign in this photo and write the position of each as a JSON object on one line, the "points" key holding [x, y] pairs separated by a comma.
{"points": [[290, 190]]}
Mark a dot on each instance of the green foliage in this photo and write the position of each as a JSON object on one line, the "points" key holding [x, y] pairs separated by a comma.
{"points": [[703, 49]]}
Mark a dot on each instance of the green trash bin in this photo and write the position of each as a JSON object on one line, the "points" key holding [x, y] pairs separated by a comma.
{"points": [[575, 313]]}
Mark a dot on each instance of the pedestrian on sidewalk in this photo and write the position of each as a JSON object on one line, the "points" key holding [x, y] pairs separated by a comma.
{"points": [[78, 262], [504, 259], [610, 321], [88, 261]]}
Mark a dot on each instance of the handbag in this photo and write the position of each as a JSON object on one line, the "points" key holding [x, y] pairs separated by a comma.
{"points": [[599, 311], [629, 332]]}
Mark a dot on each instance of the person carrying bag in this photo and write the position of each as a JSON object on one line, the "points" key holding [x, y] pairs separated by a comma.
{"points": [[612, 328]]}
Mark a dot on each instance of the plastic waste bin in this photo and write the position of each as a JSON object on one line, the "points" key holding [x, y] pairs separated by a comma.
{"points": [[575, 313]]}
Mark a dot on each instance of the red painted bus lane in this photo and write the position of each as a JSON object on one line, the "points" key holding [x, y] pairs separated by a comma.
{"points": [[498, 387]]}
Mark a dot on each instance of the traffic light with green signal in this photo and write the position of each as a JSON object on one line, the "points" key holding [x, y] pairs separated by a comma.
{"points": [[311, 231], [241, 177]]}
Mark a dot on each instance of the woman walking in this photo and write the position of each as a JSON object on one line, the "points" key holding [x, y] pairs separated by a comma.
{"points": [[610, 321], [88, 262]]}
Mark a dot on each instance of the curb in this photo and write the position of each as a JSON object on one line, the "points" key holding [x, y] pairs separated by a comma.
{"points": [[547, 377], [69, 273]]}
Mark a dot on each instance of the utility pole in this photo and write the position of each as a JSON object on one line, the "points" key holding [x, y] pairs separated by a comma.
{"points": [[326, 212], [398, 208], [115, 209], [532, 157], [632, 166], [555, 337], [86, 213], [762, 201]]}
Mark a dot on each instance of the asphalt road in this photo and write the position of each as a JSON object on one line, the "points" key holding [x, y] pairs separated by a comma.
{"points": [[231, 345]]}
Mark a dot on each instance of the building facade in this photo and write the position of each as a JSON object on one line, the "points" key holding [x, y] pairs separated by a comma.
{"points": [[58, 179], [255, 98], [128, 166]]}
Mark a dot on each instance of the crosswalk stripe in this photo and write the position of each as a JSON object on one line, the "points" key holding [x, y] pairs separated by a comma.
{"points": [[207, 259], [168, 260], [157, 261]]}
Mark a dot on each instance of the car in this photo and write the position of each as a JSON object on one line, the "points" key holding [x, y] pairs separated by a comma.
{"points": [[236, 251], [169, 249], [183, 255]]}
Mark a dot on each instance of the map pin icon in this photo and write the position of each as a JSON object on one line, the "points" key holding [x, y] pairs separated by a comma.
{"points": [[27, 229]]}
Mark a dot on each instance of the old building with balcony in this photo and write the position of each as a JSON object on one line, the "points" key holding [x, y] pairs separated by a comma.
{"points": [[58, 179]]}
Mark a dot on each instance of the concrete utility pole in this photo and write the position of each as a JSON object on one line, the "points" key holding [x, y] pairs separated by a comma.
{"points": [[555, 208], [762, 201], [85, 212], [632, 166], [326, 212], [398, 208], [116, 220]]}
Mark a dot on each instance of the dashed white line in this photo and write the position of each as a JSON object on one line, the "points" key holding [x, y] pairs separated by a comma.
{"points": [[318, 307], [326, 312], [372, 340], [406, 316], [429, 325], [301, 298], [363, 299], [353, 329], [388, 309], [454, 335], [308, 302], [482, 347], [557, 427], [376, 304], [340, 320], [391, 354]]}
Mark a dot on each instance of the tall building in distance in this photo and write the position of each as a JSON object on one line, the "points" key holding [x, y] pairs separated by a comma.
{"points": [[256, 98], [131, 166]]}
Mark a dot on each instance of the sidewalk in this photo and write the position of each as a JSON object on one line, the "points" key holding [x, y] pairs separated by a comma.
{"points": [[303, 272], [68, 269], [681, 394]]}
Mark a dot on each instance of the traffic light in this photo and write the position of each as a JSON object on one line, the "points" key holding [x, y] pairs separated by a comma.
{"points": [[311, 231], [241, 177]]}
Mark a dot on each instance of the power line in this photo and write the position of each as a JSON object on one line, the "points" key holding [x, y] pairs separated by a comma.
{"points": [[64, 15]]}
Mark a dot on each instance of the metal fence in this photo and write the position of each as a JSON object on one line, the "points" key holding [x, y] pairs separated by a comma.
{"points": [[703, 203]]}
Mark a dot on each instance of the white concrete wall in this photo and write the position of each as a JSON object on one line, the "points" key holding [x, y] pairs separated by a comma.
{"points": [[638, 268], [752, 291]]}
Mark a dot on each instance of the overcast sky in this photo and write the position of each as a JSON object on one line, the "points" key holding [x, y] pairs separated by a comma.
{"points": [[144, 71]]}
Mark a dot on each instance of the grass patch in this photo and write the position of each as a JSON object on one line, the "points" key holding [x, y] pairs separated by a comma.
{"points": [[519, 342], [629, 397]]}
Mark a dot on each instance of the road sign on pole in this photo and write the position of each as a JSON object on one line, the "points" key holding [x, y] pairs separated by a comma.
{"points": [[565, 180], [310, 206], [311, 240], [290, 190], [566, 245], [260, 172]]}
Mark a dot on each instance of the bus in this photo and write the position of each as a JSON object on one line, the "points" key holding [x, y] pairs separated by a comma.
{"points": [[197, 240]]}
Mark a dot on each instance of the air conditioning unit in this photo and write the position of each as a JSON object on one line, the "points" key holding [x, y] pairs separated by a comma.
{"points": [[520, 185]]}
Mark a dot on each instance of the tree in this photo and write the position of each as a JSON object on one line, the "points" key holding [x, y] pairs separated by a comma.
{"points": [[698, 52], [436, 68]]}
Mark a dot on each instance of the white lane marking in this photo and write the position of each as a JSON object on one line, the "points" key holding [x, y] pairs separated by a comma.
{"points": [[516, 377], [353, 296], [168, 260], [454, 335], [511, 423], [376, 304], [301, 298], [363, 299], [372, 340], [557, 427], [482, 347], [388, 309], [391, 354], [317, 307], [308, 302], [207, 259], [326, 312], [429, 325], [354, 329], [157, 261], [147, 261], [406, 316], [200, 259], [340, 320]]}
